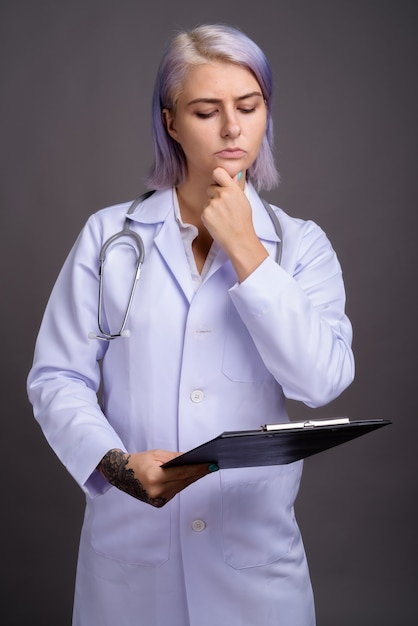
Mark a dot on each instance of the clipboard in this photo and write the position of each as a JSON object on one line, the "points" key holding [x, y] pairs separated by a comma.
{"points": [[276, 444]]}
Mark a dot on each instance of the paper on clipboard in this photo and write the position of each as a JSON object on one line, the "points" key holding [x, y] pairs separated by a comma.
{"points": [[335, 421], [276, 444]]}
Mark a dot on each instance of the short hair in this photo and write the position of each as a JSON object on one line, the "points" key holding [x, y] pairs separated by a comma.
{"points": [[212, 42]]}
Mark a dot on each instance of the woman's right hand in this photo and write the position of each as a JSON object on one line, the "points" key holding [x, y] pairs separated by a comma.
{"points": [[141, 476]]}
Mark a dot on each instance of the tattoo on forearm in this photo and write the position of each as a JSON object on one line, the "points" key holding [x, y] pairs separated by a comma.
{"points": [[113, 467]]}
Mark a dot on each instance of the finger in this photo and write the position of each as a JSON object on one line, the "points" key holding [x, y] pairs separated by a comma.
{"points": [[188, 474], [176, 481], [163, 456], [199, 471], [221, 177], [194, 471]]}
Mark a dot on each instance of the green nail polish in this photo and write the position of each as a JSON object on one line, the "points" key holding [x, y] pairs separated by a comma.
{"points": [[239, 176], [213, 467]]}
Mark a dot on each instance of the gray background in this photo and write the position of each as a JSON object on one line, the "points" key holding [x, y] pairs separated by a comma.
{"points": [[76, 82]]}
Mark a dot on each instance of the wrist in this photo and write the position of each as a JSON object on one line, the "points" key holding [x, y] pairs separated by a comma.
{"points": [[111, 464], [247, 258]]}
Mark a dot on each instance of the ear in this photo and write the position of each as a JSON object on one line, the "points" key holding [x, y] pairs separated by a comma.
{"points": [[169, 122]]}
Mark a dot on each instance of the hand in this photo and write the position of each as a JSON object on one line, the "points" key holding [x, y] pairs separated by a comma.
{"points": [[228, 218], [141, 476]]}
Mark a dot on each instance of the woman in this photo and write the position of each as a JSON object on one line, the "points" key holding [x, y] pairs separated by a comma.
{"points": [[219, 335]]}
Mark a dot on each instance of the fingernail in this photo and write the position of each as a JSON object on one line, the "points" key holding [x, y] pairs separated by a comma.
{"points": [[239, 176], [213, 467]]}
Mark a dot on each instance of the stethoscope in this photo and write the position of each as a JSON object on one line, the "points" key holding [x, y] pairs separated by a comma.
{"points": [[138, 244]]}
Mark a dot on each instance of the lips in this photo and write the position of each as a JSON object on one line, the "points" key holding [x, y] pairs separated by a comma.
{"points": [[231, 153]]}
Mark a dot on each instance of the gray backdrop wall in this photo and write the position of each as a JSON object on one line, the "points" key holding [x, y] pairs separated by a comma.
{"points": [[76, 82]]}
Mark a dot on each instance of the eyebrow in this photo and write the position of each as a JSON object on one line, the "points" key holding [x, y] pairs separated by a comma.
{"points": [[218, 100]]}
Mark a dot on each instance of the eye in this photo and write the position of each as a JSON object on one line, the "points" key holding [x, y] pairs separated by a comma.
{"points": [[205, 116], [247, 109]]}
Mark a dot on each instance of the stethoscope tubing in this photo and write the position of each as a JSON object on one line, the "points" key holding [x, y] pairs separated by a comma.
{"points": [[126, 232]]}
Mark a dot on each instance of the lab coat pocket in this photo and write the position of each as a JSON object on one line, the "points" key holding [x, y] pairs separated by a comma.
{"points": [[258, 520], [241, 359], [128, 530]]}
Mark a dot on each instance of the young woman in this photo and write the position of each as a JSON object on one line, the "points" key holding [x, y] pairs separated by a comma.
{"points": [[217, 336]]}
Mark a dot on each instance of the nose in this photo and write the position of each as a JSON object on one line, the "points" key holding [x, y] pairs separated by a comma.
{"points": [[230, 126]]}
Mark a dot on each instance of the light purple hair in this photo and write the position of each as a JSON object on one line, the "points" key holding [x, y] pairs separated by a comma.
{"points": [[201, 45]]}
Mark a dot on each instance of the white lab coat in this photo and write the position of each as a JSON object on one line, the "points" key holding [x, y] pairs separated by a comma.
{"points": [[227, 550]]}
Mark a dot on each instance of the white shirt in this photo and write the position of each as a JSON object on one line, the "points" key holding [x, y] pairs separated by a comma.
{"points": [[189, 232]]}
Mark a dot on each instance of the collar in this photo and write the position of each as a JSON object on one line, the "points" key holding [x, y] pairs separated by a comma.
{"points": [[263, 225], [157, 207], [153, 209]]}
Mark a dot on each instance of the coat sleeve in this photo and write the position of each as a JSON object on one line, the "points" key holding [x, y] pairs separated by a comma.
{"points": [[65, 375], [295, 316]]}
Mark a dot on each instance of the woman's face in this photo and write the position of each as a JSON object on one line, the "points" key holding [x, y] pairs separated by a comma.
{"points": [[220, 119]]}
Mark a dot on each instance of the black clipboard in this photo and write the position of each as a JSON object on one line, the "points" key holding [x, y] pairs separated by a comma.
{"points": [[276, 444]]}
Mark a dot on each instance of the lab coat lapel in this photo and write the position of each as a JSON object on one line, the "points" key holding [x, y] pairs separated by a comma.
{"points": [[158, 210], [220, 259], [170, 245], [263, 225]]}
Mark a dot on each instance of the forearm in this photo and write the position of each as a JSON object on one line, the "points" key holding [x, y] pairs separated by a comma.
{"points": [[247, 256], [306, 345]]}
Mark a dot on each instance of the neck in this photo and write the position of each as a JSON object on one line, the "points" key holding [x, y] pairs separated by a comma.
{"points": [[192, 200]]}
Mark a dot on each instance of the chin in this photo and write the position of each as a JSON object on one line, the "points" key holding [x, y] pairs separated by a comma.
{"points": [[233, 169]]}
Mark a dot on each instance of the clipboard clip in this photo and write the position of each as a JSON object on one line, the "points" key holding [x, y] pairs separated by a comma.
{"points": [[337, 421]]}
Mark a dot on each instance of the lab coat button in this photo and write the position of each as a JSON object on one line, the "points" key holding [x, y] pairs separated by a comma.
{"points": [[197, 395], [198, 525]]}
